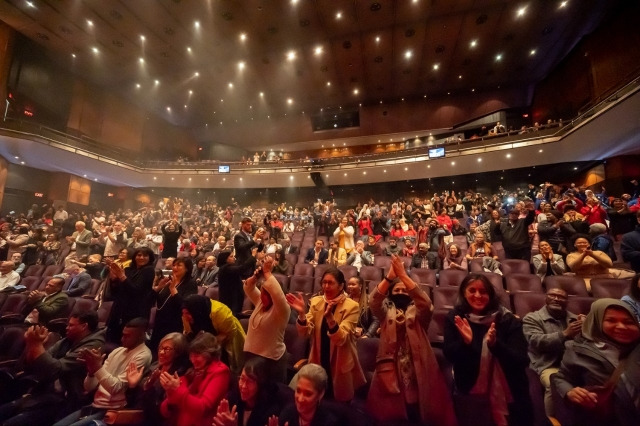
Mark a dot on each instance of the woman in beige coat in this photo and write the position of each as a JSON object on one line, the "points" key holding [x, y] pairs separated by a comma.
{"points": [[330, 323], [407, 383]]}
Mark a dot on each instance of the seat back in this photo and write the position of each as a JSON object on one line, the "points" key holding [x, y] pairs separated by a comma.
{"points": [[318, 271], [475, 265], [445, 297], [367, 354], [515, 266], [14, 304], [573, 285], [435, 331], [212, 293], [303, 284], [523, 303], [303, 269], [34, 271], [52, 270], [371, 273], [12, 343], [103, 312], [349, 271], [201, 290], [424, 276], [609, 287], [31, 283], [461, 241], [283, 280], [451, 277], [82, 305], [580, 304], [382, 262], [292, 258], [517, 283]]}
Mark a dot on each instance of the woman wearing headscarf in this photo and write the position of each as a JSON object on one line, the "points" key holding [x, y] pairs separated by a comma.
{"points": [[485, 343], [201, 314], [407, 383], [594, 361]]}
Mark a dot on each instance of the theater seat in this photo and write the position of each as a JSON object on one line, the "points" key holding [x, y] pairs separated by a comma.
{"points": [[11, 311], [574, 286], [424, 276], [303, 269], [580, 304], [371, 273], [523, 303], [303, 284], [475, 265], [436, 326], [449, 277], [382, 261], [515, 266], [348, 271], [11, 343], [52, 270], [444, 297], [283, 280], [212, 293], [34, 271], [318, 271], [609, 287], [31, 283], [517, 283]]}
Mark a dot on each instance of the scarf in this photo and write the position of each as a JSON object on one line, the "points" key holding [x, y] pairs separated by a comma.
{"points": [[491, 380]]}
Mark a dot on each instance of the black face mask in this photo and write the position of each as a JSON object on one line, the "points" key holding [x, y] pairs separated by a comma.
{"points": [[402, 301], [432, 226]]}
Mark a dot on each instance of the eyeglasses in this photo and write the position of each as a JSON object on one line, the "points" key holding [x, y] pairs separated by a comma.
{"points": [[165, 349], [245, 381]]}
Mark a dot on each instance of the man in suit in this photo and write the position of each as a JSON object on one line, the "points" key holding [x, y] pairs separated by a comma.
{"points": [[337, 255], [317, 255], [82, 240], [209, 274], [244, 242], [359, 257], [43, 306], [287, 247], [80, 281]]}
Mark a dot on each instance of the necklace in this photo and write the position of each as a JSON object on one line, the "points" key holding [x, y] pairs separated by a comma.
{"points": [[168, 297]]}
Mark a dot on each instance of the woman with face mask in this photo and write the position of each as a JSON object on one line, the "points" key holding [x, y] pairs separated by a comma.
{"points": [[407, 383]]}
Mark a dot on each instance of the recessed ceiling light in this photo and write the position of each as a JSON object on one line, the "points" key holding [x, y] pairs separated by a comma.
{"points": [[364, 173], [428, 166], [90, 22], [156, 82], [499, 57], [436, 66], [169, 109], [406, 168], [291, 177], [521, 11], [339, 15], [384, 171], [230, 85], [191, 92], [408, 54], [261, 94], [345, 174], [172, 178], [138, 85], [196, 24], [243, 36], [563, 4], [30, 4], [473, 90], [185, 105], [188, 49], [460, 77], [141, 60], [539, 150], [16, 157], [473, 43], [289, 101], [240, 65], [479, 160], [318, 50], [189, 178], [508, 155], [155, 178], [377, 39], [532, 52], [95, 180], [142, 37], [328, 83], [453, 163], [73, 55], [291, 55], [355, 91], [196, 74], [240, 178], [95, 49]]}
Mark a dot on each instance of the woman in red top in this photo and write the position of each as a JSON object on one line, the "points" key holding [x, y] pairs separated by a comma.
{"points": [[593, 212], [444, 219], [365, 223], [193, 398]]}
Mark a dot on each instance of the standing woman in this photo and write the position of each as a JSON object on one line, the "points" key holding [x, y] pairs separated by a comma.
{"points": [[407, 383], [131, 291], [169, 294], [488, 350], [201, 314], [268, 321], [330, 323], [368, 324], [230, 280], [171, 232]]}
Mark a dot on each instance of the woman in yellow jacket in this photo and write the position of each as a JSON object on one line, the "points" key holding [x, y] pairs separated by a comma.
{"points": [[330, 323], [201, 314]]}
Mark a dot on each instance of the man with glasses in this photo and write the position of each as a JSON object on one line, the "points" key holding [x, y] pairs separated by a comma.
{"points": [[546, 330]]}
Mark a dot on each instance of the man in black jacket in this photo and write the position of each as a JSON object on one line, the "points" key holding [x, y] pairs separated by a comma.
{"points": [[515, 233], [244, 242]]}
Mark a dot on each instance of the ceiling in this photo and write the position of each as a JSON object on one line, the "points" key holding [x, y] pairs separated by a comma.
{"points": [[224, 60]]}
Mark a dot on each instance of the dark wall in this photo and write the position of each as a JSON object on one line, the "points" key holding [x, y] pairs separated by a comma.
{"points": [[599, 63], [39, 85]]}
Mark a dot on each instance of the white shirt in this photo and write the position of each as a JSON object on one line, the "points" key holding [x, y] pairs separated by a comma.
{"points": [[9, 280]]}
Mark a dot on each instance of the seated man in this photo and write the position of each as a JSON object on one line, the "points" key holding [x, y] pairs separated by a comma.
{"points": [[8, 277], [393, 247], [43, 306], [546, 330], [359, 257], [337, 255], [58, 371], [372, 246], [110, 380], [317, 255], [422, 259], [209, 274], [16, 258], [80, 281]]}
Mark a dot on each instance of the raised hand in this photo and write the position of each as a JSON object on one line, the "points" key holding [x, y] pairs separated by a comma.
{"points": [[464, 328], [224, 416], [92, 359], [169, 382], [491, 335], [134, 374], [36, 334], [296, 301], [397, 266]]}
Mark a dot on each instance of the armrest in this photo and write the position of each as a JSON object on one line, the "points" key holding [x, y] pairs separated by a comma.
{"points": [[11, 319], [298, 365], [124, 417]]}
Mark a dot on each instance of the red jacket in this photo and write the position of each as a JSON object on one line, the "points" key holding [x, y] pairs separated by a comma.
{"points": [[594, 214], [197, 405]]}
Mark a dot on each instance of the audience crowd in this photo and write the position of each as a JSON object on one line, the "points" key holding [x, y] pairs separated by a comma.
{"points": [[514, 309]]}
